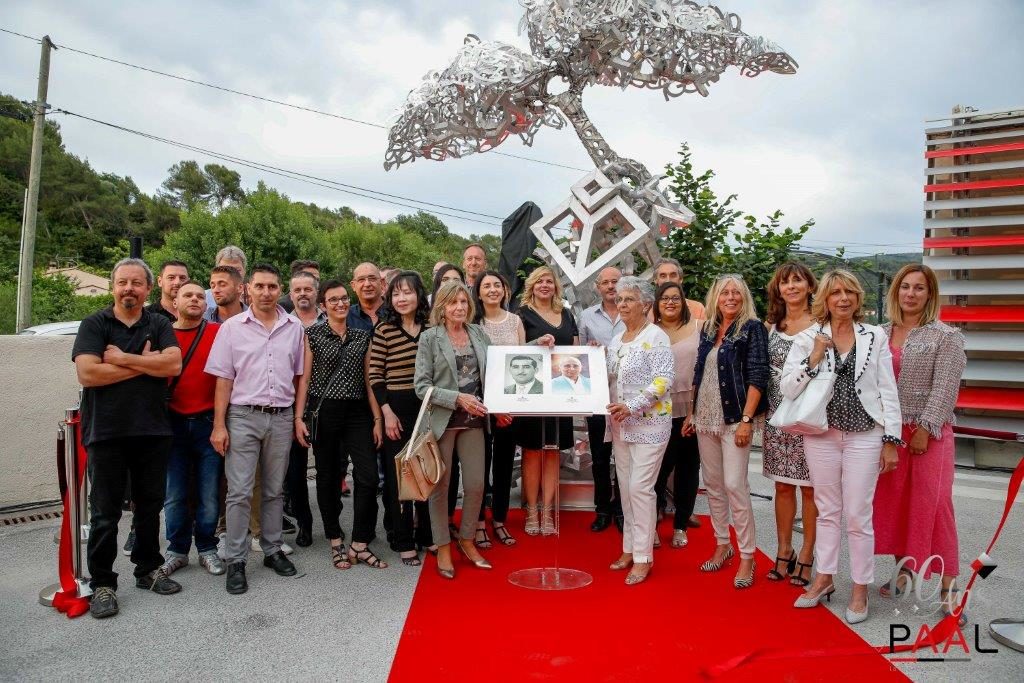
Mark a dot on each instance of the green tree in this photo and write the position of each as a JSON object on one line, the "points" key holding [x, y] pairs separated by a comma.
{"points": [[214, 186], [713, 244]]}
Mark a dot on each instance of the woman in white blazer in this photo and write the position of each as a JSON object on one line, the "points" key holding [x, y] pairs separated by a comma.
{"points": [[864, 428]]}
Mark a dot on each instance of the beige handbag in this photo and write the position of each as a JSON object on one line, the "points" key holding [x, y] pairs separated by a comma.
{"points": [[419, 466]]}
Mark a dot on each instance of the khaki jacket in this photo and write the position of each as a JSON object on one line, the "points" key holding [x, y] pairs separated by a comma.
{"points": [[435, 367]]}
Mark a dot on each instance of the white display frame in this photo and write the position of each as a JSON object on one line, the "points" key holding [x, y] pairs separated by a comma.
{"points": [[595, 402]]}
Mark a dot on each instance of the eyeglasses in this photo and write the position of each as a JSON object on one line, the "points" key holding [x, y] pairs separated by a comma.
{"points": [[626, 300], [339, 301], [605, 283], [670, 300]]}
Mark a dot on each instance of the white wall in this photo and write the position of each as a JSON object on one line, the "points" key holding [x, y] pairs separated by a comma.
{"points": [[37, 384]]}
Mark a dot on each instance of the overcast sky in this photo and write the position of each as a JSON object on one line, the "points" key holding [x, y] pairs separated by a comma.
{"points": [[841, 141]]}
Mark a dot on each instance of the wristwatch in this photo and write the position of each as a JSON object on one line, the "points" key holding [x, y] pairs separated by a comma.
{"points": [[746, 419]]}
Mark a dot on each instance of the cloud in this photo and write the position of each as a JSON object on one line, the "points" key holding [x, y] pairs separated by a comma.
{"points": [[841, 141]]}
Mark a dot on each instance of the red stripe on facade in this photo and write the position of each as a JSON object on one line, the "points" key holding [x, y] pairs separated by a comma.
{"points": [[971, 151], [990, 398], [982, 314], [972, 241], [975, 185]]}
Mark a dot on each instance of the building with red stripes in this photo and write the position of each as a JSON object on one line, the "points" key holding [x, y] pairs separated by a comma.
{"points": [[974, 239]]}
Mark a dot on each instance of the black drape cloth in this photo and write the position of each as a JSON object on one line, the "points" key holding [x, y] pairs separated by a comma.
{"points": [[517, 243]]}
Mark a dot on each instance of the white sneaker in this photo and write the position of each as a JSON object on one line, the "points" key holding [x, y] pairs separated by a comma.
{"points": [[174, 562], [285, 548], [222, 547]]}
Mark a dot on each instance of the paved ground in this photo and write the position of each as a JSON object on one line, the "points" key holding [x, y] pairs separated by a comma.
{"points": [[333, 625]]}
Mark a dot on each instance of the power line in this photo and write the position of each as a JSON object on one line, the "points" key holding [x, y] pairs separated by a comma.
{"points": [[296, 175], [263, 98]]}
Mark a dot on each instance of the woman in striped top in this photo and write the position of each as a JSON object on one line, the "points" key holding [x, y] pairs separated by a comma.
{"points": [[403, 316], [492, 295]]}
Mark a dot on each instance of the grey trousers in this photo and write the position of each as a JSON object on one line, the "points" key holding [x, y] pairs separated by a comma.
{"points": [[266, 440], [470, 443]]}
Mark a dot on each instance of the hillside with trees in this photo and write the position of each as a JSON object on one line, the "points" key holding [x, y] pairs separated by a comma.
{"points": [[86, 217]]}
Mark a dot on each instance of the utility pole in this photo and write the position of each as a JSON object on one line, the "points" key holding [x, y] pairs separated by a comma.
{"points": [[28, 233], [881, 289]]}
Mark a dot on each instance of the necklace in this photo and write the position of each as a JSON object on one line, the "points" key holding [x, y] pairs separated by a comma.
{"points": [[635, 334]]}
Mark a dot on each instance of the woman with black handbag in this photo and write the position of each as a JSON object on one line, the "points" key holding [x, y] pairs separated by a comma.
{"points": [[336, 411], [403, 317]]}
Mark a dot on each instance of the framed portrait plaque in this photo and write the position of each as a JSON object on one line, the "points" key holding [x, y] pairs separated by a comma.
{"points": [[535, 380]]}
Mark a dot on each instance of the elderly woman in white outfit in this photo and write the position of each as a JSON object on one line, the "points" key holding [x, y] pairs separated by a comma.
{"points": [[864, 427], [641, 369]]}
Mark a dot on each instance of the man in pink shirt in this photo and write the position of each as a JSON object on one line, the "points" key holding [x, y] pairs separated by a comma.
{"points": [[257, 358]]}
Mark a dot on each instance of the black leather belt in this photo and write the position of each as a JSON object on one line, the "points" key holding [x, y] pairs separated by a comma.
{"points": [[270, 410]]}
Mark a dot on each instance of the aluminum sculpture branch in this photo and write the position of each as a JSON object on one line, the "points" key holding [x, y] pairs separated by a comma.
{"points": [[492, 90]]}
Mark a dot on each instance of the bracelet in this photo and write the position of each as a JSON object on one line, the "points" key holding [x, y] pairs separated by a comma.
{"points": [[378, 419]]}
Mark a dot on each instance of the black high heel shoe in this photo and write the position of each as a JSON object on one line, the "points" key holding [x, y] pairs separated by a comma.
{"points": [[775, 575], [798, 579]]}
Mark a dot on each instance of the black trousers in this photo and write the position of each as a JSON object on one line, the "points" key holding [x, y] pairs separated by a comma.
{"points": [[606, 495], [503, 456], [296, 488], [346, 428], [683, 456], [110, 463]]}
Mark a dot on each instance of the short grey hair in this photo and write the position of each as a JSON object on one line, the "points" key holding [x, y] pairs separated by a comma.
{"points": [[231, 253], [308, 275], [133, 262], [643, 287], [670, 262]]}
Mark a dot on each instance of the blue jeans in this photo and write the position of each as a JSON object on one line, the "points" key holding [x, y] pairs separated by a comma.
{"points": [[192, 468]]}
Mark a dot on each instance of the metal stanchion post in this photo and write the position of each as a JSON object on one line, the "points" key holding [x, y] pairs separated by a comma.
{"points": [[551, 578], [78, 499]]}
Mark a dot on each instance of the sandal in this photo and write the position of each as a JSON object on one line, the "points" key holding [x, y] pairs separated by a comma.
{"points": [[679, 539], [532, 525], [484, 542], [887, 590], [798, 579], [775, 575], [413, 561], [944, 595], [338, 558], [503, 536], [365, 556], [547, 521]]}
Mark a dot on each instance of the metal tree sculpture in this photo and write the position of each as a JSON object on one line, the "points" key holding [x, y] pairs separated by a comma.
{"points": [[493, 90]]}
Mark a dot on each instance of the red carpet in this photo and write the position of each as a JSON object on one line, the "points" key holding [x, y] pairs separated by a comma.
{"points": [[680, 624]]}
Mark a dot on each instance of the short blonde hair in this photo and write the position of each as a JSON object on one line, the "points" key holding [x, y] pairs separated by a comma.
{"points": [[448, 293], [892, 300], [714, 316], [527, 297], [819, 307]]}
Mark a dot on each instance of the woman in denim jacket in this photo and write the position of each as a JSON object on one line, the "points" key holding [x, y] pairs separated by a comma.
{"points": [[730, 389]]}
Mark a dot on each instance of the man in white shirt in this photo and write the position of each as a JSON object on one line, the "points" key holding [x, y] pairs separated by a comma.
{"points": [[523, 370], [598, 326], [571, 380]]}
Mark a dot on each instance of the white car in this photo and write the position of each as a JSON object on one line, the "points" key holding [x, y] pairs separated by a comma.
{"points": [[50, 329]]}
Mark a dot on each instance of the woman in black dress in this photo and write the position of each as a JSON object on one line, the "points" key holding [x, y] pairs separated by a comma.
{"points": [[548, 323]]}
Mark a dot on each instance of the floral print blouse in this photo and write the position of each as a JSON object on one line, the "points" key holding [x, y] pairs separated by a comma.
{"points": [[641, 373]]}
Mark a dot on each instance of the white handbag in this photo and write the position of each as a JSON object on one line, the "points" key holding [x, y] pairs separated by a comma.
{"points": [[806, 414]]}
